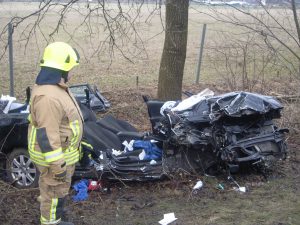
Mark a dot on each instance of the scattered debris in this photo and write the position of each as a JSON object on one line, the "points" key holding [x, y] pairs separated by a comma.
{"points": [[153, 162], [221, 187], [238, 188], [116, 152], [128, 146], [83, 186], [82, 190], [168, 218], [241, 189], [142, 155], [151, 149], [95, 185], [197, 187]]}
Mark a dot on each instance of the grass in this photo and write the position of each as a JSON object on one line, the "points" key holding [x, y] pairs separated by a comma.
{"points": [[273, 203], [113, 71]]}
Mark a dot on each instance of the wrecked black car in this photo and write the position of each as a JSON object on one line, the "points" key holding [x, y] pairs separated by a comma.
{"points": [[202, 134], [14, 158], [225, 131], [90, 97]]}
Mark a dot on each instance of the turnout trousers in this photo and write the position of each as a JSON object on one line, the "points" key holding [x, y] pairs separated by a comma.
{"points": [[53, 194]]}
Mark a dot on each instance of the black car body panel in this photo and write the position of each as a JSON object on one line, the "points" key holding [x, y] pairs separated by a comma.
{"points": [[220, 131]]}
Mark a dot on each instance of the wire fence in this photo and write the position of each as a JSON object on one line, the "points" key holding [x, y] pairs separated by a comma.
{"points": [[213, 52]]}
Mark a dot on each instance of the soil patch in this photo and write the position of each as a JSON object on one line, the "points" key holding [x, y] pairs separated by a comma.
{"points": [[269, 200]]}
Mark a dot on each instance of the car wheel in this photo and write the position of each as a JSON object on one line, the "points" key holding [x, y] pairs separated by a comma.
{"points": [[21, 171]]}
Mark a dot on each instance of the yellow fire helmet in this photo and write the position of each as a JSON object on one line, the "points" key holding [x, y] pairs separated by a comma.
{"points": [[60, 55]]}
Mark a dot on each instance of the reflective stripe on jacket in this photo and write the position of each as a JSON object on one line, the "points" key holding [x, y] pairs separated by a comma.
{"points": [[56, 126]]}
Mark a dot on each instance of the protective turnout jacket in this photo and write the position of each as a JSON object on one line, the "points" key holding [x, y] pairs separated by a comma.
{"points": [[56, 126]]}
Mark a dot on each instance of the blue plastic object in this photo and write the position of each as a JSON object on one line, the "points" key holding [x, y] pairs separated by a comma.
{"points": [[151, 149], [82, 190]]}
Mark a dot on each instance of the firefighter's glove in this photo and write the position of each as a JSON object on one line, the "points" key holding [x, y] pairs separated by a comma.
{"points": [[60, 172]]}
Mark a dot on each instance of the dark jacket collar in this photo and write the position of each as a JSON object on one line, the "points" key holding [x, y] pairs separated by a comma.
{"points": [[49, 75]]}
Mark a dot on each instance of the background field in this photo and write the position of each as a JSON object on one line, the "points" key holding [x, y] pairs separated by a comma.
{"points": [[111, 70], [270, 201]]}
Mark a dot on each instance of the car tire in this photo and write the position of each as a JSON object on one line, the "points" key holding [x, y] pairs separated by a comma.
{"points": [[21, 171]]}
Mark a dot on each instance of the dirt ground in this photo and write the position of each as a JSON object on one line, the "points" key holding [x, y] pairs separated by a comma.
{"points": [[272, 200]]}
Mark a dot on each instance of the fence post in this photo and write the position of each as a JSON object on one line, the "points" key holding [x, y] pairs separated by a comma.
{"points": [[10, 51], [200, 54]]}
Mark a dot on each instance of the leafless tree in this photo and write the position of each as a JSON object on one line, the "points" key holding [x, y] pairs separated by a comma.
{"points": [[242, 63], [117, 22], [119, 25], [278, 25]]}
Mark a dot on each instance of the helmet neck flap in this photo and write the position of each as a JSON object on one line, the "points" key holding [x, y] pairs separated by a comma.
{"points": [[49, 75]]}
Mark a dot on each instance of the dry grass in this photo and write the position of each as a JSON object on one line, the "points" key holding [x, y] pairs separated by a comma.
{"points": [[273, 202], [112, 72]]}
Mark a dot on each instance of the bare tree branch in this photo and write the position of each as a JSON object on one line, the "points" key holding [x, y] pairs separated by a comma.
{"points": [[118, 25], [276, 27]]}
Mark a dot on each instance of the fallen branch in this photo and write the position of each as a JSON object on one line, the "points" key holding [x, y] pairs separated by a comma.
{"points": [[288, 98]]}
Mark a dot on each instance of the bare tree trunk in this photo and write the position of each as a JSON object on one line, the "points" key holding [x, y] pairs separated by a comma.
{"points": [[296, 23], [174, 52], [296, 18]]}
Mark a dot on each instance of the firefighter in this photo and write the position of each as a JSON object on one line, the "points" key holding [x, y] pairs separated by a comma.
{"points": [[55, 130]]}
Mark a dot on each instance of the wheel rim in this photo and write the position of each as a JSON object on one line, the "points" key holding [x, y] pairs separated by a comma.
{"points": [[23, 170]]}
